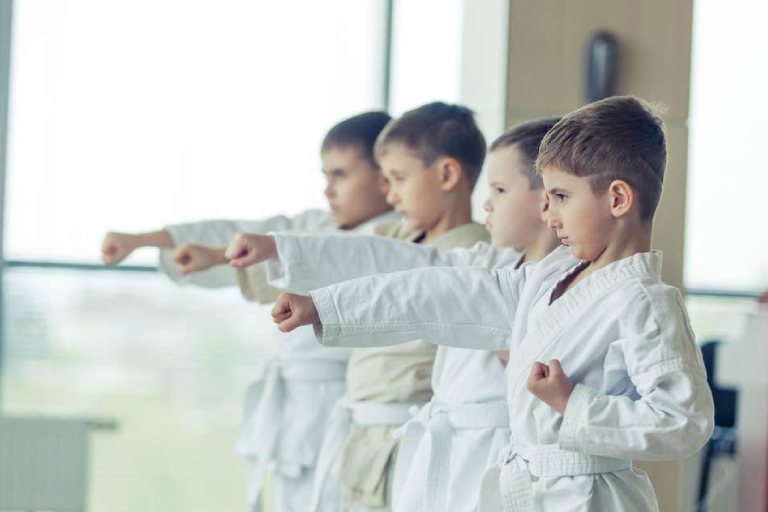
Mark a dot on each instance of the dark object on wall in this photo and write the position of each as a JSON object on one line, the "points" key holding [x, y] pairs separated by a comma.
{"points": [[602, 66]]}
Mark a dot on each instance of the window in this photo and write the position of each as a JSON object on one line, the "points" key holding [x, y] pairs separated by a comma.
{"points": [[128, 116], [726, 241]]}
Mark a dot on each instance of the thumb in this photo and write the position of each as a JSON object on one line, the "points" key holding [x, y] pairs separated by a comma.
{"points": [[181, 256], [555, 368], [289, 324], [282, 308], [237, 248]]}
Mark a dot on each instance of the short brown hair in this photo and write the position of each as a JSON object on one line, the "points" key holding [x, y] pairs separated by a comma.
{"points": [[358, 132], [527, 137], [618, 138], [438, 130]]}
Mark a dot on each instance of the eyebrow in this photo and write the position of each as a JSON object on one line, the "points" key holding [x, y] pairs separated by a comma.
{"points": [[556, 190]]}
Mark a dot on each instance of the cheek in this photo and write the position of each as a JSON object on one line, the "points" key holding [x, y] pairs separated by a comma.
{"points": [[341, 191], [351, 194], [415, 193]]}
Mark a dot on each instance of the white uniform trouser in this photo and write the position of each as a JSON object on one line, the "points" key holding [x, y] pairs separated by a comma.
{"points": [[263, 418], [508, 485], [344, 413], [438, 421]]}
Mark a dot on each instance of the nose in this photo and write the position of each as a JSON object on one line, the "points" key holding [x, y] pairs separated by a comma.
{"points": [[392, 197], [329, 192], [552, 221], [487, 205]]}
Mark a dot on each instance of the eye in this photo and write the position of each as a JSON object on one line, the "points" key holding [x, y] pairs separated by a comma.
{"points": [[339, 173], [561, 197], [500, 190]]}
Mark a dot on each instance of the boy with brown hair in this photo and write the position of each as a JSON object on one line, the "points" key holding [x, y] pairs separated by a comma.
{"points": [[604, 367], [287, 408]]}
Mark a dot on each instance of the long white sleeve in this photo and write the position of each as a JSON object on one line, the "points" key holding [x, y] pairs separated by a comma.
{"points": [[218, 233], [309, 261], [672, 417], [465, 307]]}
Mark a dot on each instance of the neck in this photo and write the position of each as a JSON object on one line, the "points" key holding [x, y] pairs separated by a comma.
{"points": [[627, 243], [378, 212], [545, 243], [458, 215]]}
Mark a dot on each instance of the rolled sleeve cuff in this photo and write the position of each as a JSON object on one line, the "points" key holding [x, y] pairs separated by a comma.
{"points": [[574, 409], [279, 269], [165, 263], [328, 331]]}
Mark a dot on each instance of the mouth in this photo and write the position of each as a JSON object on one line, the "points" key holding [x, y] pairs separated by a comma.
{"points": [[334, 208], [563, 240]]}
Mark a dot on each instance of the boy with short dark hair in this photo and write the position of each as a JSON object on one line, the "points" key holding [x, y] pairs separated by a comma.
{"points": [[287, 408]]}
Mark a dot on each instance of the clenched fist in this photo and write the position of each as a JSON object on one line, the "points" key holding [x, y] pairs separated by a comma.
{"points": [[550, 384], [292, 311], [117, 246], [191, 258], [247, 249]]}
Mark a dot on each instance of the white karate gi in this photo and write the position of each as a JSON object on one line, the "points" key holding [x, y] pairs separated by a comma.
{"points": [[623, 337], [286, 409], [448, 445], [389, 381]]}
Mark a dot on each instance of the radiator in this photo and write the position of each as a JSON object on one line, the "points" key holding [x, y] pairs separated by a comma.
{"points": [[43, 464]]}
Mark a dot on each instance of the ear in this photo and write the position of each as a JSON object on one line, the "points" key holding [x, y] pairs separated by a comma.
{"points": [[383, 184], [544, 206], [449, 172], [622, 198]]}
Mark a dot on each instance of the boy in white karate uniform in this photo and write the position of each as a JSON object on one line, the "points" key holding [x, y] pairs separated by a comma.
{"points": [[432, 157], [286, 409], [451, 441], [604, 368]]}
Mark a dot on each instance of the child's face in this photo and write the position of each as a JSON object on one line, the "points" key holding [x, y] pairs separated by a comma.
{"points": [[514, 210], [356, 190], [583, 220], [415, 191]]}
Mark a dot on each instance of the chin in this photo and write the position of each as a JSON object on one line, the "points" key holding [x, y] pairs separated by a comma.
{"points": [[576, 253], [414, 224], [582, 254], [501, 240], [340, 218]]}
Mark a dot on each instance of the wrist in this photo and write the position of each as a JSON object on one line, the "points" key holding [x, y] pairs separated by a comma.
{"points": [[219, 257], [563, 402], [137, 241], [161, 239]]}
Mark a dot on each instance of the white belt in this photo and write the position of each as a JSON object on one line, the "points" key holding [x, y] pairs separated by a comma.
{"points": [[438, 421], [362, 413], [263, 416], [508, 487]]}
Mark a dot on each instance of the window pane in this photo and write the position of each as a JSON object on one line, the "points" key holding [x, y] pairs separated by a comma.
{"points": [[169, 364], [129, 115], [426, 53], [726, 242]]}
